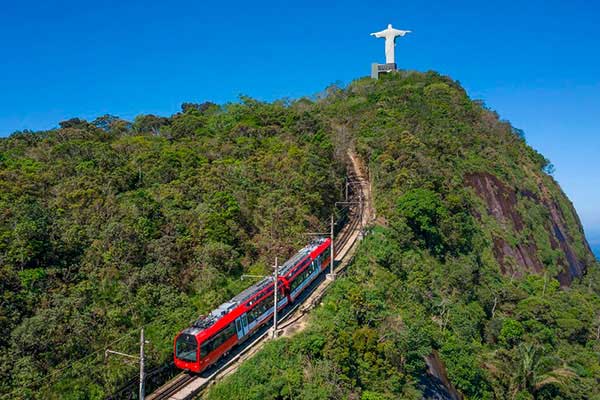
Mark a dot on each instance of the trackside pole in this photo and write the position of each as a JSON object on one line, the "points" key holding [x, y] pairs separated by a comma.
{"points": [[347, 183], [274, 332], [141, 358], [142, 377], [331, 274]]}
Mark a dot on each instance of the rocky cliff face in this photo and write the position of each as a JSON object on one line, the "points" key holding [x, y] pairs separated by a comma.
{"points": [[502, 203], [435, 384], [428, 135]]}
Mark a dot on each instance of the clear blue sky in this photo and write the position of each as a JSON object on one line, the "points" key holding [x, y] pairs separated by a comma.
{"points": [[536, 62]]}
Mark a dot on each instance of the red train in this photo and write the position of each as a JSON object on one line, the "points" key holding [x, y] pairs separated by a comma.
{"points": [[210, 337]]}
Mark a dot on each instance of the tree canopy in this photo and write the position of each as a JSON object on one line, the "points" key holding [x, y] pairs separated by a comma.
{"points": [[477, 262]]}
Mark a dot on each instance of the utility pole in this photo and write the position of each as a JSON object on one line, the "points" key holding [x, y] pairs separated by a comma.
{"points": [[142, 374], [332, 257], [362, 209], [140, 358], [274, 334], [347, 183], [275, 294]]}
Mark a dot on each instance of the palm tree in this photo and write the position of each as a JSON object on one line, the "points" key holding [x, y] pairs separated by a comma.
{"points": [[534, 370]]}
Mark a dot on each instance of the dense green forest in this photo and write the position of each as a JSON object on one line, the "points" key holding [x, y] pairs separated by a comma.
{"points": [[476, 259], [110, 225], [477, 262]]}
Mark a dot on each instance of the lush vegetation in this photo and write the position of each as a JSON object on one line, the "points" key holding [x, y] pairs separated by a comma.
{"points": [[498, 339], [110, 225], [449, 269]]}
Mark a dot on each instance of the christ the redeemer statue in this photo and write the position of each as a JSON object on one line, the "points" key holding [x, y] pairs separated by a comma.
{"points": [[390, 34]]}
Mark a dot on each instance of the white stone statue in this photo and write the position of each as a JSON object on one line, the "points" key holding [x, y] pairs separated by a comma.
{"points": [[390, 34]]}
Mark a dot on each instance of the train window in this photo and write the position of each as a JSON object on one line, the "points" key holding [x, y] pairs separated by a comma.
{"points": [[185, 347], [325, 254], [221, 337], [261, 307], [250, 315], [303, 276], [205, 348]]}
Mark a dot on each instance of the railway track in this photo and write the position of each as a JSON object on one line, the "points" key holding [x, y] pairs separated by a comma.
{"points": [[187, 386], [179, 382]]}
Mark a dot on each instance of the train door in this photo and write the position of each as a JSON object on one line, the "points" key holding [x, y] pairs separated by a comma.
{"points": [[241, 326], [245, 323], [317, 261]]}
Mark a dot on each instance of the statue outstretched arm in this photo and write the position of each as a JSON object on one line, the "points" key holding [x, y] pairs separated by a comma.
{"points": [[378, 34], [398, 32]]}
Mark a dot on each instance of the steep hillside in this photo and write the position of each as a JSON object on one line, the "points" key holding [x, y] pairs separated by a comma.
{"points": [[476, 279], [110, 225], [422, 133]]}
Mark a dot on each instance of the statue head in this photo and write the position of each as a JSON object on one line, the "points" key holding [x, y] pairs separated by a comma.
{"points": [[389, 26]]}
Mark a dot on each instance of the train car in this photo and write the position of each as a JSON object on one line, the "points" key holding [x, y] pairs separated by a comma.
{"points": [[212, 336]]}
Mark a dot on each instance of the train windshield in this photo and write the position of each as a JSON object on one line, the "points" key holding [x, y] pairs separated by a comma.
{"points": [[186, 347]]}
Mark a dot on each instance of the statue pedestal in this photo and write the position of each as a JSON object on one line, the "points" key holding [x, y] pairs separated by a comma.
{"points": [[377, 69]]}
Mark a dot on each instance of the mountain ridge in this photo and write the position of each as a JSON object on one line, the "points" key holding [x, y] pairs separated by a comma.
{"points": [[464, 266], [477, 256]]}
